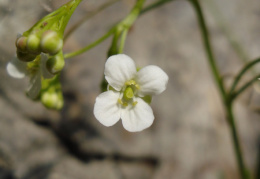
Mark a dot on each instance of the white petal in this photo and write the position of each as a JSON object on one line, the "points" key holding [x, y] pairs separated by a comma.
{"points": [[16, 68], [45, 72], [34, 86], [137, 118], [152, 80], [106, 109], [119, 69]]}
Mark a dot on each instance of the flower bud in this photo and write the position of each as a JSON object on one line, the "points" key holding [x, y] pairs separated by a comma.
{"points": [[24, 56], [56, 63], [52, 100], [51, 42], [21, 43], [33, 44]]}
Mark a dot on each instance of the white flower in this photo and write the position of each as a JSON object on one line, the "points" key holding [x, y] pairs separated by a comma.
{"points": [[35, 70], [126, 100]]}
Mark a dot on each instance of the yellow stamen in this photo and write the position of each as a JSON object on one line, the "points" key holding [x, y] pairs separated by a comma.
{"points": [[130, 82], [120, 101], [134, 103]]}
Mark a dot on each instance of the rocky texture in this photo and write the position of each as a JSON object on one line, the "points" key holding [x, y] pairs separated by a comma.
{"points": [[189, 138]]}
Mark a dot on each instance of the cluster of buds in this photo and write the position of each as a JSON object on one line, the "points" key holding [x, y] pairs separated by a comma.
{"points": [[29, 46], [40, 57]]}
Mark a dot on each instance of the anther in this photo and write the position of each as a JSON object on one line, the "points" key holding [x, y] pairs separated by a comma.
{"points": [[130, 82], [120, 101], [134, 103]]}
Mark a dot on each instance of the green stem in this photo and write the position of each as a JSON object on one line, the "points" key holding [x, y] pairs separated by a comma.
{"points": [[114, 46], [124, 24], [132, 16], [127, 22], [218, 79], [88, 16], [244, 87], [122, 42], [104, 6], [241, 73], [207, 45], [90, 46], [154, 5], [236, 143]]}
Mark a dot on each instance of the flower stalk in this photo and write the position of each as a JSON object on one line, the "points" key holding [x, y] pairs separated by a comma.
{"points": [[244, 87], [225, 97], [125, 24], [87, 17], [236, 142], [122, 41], [242, 72]]}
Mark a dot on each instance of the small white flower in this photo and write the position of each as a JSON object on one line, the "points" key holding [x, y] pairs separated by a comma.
{"points": [[125, 100], [35, 70]]}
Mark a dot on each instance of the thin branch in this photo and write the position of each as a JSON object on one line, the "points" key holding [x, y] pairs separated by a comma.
{"points": [[154, 5], [241, 73], [208, 48], [88, 16], [90, 46], [122, 41], [244, 87]]}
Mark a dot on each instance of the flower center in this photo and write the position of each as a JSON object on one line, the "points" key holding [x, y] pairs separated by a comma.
{"points": [[129, 92]]}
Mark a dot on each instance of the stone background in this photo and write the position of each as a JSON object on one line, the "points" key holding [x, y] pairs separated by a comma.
{"points": [[189, 139]]}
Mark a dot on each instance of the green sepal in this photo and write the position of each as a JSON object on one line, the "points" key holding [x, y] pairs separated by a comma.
{"points": [[56, 63], [51, 93], [103, 85], [147, 99], [33, 44], [51, 42], [56, 21], [21, 44], [25, 56]]}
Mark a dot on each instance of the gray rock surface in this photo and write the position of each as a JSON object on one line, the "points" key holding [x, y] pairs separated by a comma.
{"points": [[189, 138]]}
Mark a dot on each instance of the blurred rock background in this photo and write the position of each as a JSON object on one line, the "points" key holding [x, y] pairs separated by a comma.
{"points": [[189, 139]]}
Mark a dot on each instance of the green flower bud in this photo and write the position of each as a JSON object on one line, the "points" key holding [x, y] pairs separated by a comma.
{"points": [[51, 42], [52, 100], [21, 44], [24, 56], [56, 63], [33, 44]]}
